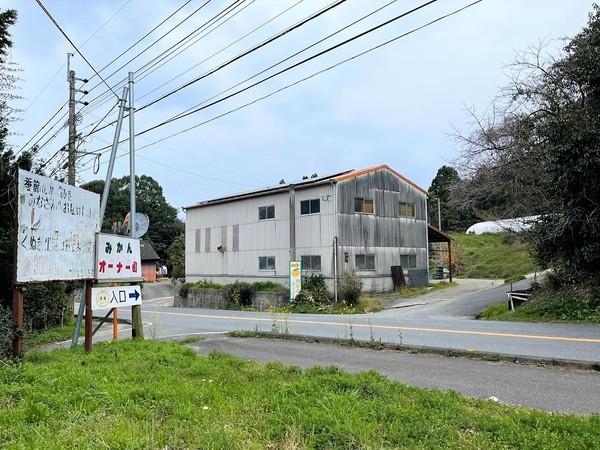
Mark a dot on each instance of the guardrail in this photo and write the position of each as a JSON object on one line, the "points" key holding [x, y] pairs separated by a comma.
{"points": [[516, 298]]}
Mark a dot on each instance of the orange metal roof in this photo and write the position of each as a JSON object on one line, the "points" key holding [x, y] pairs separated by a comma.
{"points": [[359, 172]]}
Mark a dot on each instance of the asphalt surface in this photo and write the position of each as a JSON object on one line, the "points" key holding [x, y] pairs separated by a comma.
{"points": [[551, 389], [446, 323]]}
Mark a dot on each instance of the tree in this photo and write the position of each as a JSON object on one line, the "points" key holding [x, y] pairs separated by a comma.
{"points": [[164, 224], [8, 163], [539, 152], [176, 257], [442, 186]]}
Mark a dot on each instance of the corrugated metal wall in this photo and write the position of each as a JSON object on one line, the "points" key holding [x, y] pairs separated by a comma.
{"points": [[235, 225], [383, 233]]}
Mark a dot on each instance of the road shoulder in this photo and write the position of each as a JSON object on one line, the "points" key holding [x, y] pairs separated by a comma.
{"points": [[552, 389]]}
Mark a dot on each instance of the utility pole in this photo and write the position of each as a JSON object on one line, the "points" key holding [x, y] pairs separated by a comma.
{"points": [[136, 311], [439, 215], [72, 119], [72, 129]]}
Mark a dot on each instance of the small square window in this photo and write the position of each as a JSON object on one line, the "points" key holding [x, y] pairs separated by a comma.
{"points": [[365, 262], [363, 205], [266, 212], [407, 209], [310, 206], [408, 261], [311, 262], [266, 263]]}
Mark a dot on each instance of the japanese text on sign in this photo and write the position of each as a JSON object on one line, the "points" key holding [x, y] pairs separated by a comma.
{"points": [[295, 278], [115, 297], [117, 257], [56, 230]]}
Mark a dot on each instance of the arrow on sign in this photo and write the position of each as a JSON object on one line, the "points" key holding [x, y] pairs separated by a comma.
{"points": [[135, 295]]}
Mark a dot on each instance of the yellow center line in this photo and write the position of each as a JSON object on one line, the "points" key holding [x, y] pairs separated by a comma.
{"points": [[387, 327]]}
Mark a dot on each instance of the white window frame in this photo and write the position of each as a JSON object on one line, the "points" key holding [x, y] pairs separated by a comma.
{"points": [[310, 202], [266, 259], [365, 256], [266, 209]]}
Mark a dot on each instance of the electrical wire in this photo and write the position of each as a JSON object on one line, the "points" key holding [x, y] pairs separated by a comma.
{"points": [[297, 25], [98, 99], [219, 51], [254, 48], [73, 44], [145, 50], [89, 38], [301, 80]]}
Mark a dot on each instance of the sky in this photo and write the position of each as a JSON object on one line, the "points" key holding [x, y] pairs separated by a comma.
{"points": [[399, 104]]}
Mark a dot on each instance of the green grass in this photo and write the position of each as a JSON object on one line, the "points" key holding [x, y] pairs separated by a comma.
{"points": [[257, 286], [135, 394], [547, 305], [494, 256], [365, 305], [55, 334]]}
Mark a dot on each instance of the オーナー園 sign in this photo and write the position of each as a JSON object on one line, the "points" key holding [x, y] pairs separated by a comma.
{"points": [[56, 230], [117, 258]]}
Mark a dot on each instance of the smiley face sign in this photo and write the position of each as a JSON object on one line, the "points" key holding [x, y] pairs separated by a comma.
{"points": [[115, 297], [102, 299]]}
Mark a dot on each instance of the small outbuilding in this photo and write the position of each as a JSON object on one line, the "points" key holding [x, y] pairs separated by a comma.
{"points": [[149, 259]]}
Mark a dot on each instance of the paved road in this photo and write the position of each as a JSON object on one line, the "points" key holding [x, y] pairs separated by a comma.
{"points": [[445, 324], [545, 388]]}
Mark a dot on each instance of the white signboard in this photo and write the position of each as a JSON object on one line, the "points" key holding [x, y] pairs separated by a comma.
{"points": [[56, 230], [295, 278], [115, 297], [117, 258]]}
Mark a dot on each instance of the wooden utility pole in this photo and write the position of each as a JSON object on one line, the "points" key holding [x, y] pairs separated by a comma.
{"points": [[17, 310]]}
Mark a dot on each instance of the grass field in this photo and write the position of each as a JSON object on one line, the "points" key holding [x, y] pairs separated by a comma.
{"points": [[561, 305], [135, 394], [55, 334], [494, 256]]}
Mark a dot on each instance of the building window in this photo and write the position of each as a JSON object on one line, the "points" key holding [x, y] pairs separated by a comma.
{"points": [[266, 212], [363, 205], [408, 261], [310, 206], [311, 262], [365, 262], [266, 263], [407, 209]]}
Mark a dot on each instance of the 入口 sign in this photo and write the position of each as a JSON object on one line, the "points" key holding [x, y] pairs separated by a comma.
{"points": [[115, 297], [56, 230], [295, 278], [117, 258]]}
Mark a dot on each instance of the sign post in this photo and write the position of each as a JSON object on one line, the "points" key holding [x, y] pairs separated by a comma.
{"points": [[295, 280], [54, 237]]}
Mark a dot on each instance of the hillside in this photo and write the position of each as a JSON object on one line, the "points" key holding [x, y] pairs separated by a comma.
{"points": [[488, 255]]}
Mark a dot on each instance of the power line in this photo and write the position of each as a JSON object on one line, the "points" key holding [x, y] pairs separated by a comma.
{"points": [[360, 19], [326, 69], [247, 52], [73, 44], [222, 49], [282, 71], [90, 37], [42, 127], [144, 50], [156, 61]]}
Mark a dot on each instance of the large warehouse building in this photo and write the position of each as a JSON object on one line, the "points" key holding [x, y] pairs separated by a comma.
{"points": [[359, 220]]}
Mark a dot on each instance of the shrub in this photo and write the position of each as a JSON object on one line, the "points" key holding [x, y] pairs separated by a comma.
{"points": [[6, 332], [267, 286], [206, 284], [349, 288], [239, 293], [314, 291], [47, 305], [184, 289]]}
